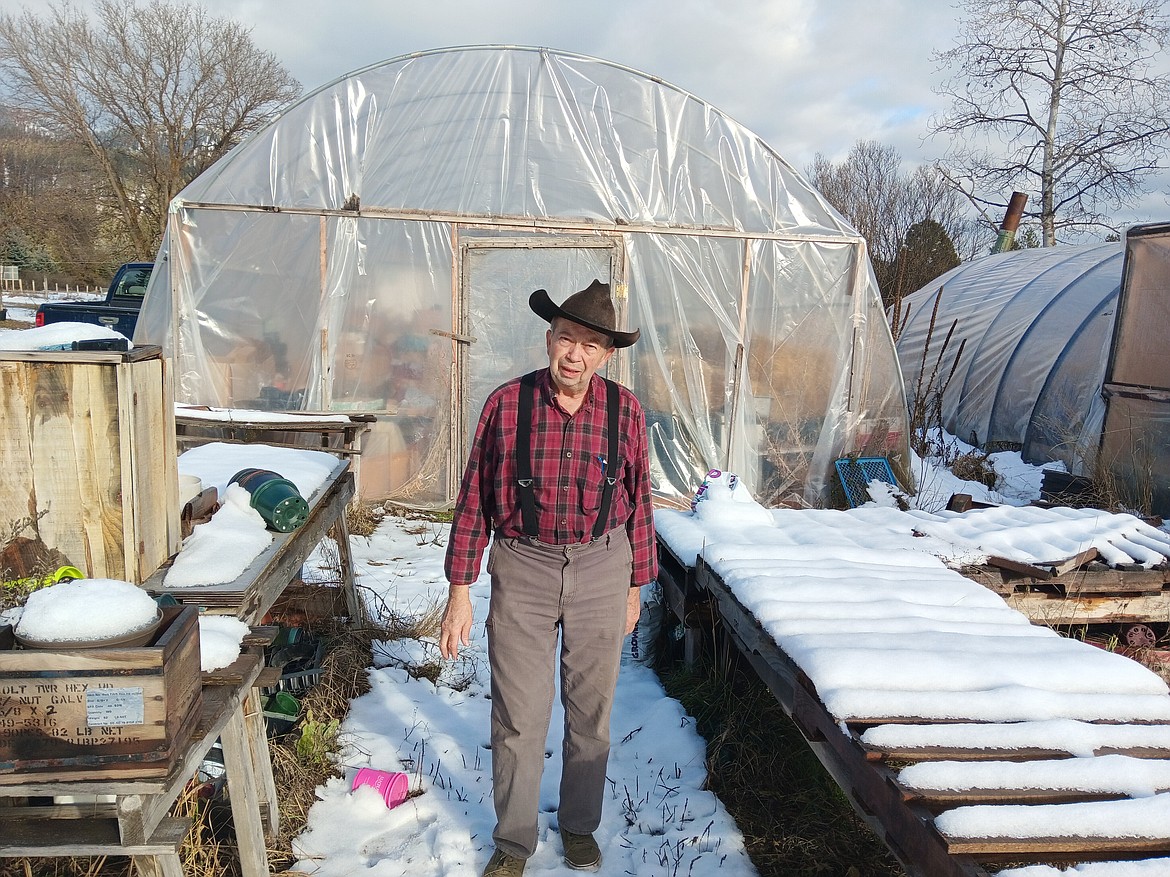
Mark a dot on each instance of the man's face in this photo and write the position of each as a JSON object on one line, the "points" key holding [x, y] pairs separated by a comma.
{"points": [[574, 354]]}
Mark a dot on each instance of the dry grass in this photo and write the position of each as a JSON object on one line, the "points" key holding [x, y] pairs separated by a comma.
{"points": [[343, 678], [794, 818], [975, 466], [362, 517]]}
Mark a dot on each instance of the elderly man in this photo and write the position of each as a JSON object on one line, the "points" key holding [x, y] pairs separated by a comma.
{"points": [[559, 474]]}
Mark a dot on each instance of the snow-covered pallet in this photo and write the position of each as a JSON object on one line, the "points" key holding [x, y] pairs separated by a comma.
{"points": [[1022, 746]]}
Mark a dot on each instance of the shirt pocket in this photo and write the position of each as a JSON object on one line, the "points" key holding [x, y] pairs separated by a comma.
{"points": [[591, 488]]}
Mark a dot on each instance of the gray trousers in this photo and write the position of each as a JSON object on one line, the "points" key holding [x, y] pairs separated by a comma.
{"points": [[540, 591]]}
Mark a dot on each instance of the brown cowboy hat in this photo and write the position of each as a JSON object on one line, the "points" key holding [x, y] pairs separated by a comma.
{"points": [[591, 307]]}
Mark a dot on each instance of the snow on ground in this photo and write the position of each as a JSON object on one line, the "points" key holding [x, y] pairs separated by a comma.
{"points": [[1148, 868], [658, 817], [1017, 483]]}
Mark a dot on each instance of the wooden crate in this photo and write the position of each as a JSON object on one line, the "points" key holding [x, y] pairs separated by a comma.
{"points": [[67, 714], [87, 442]]}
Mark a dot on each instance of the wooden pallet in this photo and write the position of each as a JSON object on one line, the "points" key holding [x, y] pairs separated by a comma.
{"points": [[869, 776], [1078, 590]]}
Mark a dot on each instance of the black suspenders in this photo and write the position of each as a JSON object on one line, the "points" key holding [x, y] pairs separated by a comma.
{"points": [[524, 454], [524, 481]]}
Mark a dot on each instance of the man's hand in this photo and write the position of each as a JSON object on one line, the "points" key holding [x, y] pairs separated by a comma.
{"points": [[456, 627], [633, 609]]}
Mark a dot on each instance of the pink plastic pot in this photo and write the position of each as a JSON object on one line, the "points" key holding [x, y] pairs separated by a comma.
{"points": [[393, 786]]}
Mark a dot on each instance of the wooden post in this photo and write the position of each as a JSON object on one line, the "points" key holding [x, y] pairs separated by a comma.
{"points": [[244, 792]]}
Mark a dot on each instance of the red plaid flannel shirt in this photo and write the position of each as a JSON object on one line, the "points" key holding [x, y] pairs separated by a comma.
{"points": [[568, 459]]}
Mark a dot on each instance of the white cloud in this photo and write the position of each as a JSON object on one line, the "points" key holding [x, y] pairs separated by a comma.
{"points": [[807, 76]]}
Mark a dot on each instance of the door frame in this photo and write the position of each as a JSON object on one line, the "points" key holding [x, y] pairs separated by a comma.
{"points": [[619, 365]]}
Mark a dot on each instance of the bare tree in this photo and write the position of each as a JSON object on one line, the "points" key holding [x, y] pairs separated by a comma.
{"points": [[885, 203], [156, 93], [49, 192], [1059, 97]]}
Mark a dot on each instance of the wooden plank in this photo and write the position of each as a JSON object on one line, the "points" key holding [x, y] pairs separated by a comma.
{"points": [[17, 488], [158, 866], [944, 799], [901, 817], [1019, 567], [94, 357], [1063, 567], [139, 812], [991, 578], [338, 531], [244, 793], [1073, 610], [233, 675], [952, 753], [86, 837], [304, 422], [907, 831], [102, 809], [1042, 849], [195, 440], [70, 451], [256, 735], [217, 703], [85, 514], [130, 537], [1108, 581], [269, 677], [151, 490], [1098, 579], [151, 692]]}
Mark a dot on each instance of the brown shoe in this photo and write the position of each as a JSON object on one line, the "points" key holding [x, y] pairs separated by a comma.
{"points": [[503, 865], [581, 851]]}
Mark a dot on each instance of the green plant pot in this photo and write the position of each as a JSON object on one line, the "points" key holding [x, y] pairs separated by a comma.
{"points": [[276, 498]]}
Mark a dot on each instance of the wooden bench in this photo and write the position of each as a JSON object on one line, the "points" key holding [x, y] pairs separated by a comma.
{"points": [[251, 594], [903, 816]]}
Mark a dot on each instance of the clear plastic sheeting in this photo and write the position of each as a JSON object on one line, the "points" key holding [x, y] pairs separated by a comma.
{"points": [[373, 250]]}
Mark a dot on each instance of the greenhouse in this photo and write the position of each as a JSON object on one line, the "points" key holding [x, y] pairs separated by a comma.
{"points": [[1039, 359], [373, 250]]}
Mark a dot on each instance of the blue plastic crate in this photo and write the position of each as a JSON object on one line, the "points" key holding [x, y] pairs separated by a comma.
{"points": [[856, 473]]}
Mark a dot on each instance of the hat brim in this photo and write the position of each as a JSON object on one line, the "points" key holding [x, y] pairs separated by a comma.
{"points": [[545, 308]]}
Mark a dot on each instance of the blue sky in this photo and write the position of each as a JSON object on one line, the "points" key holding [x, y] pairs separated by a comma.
{"points": [[808, 76]]}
